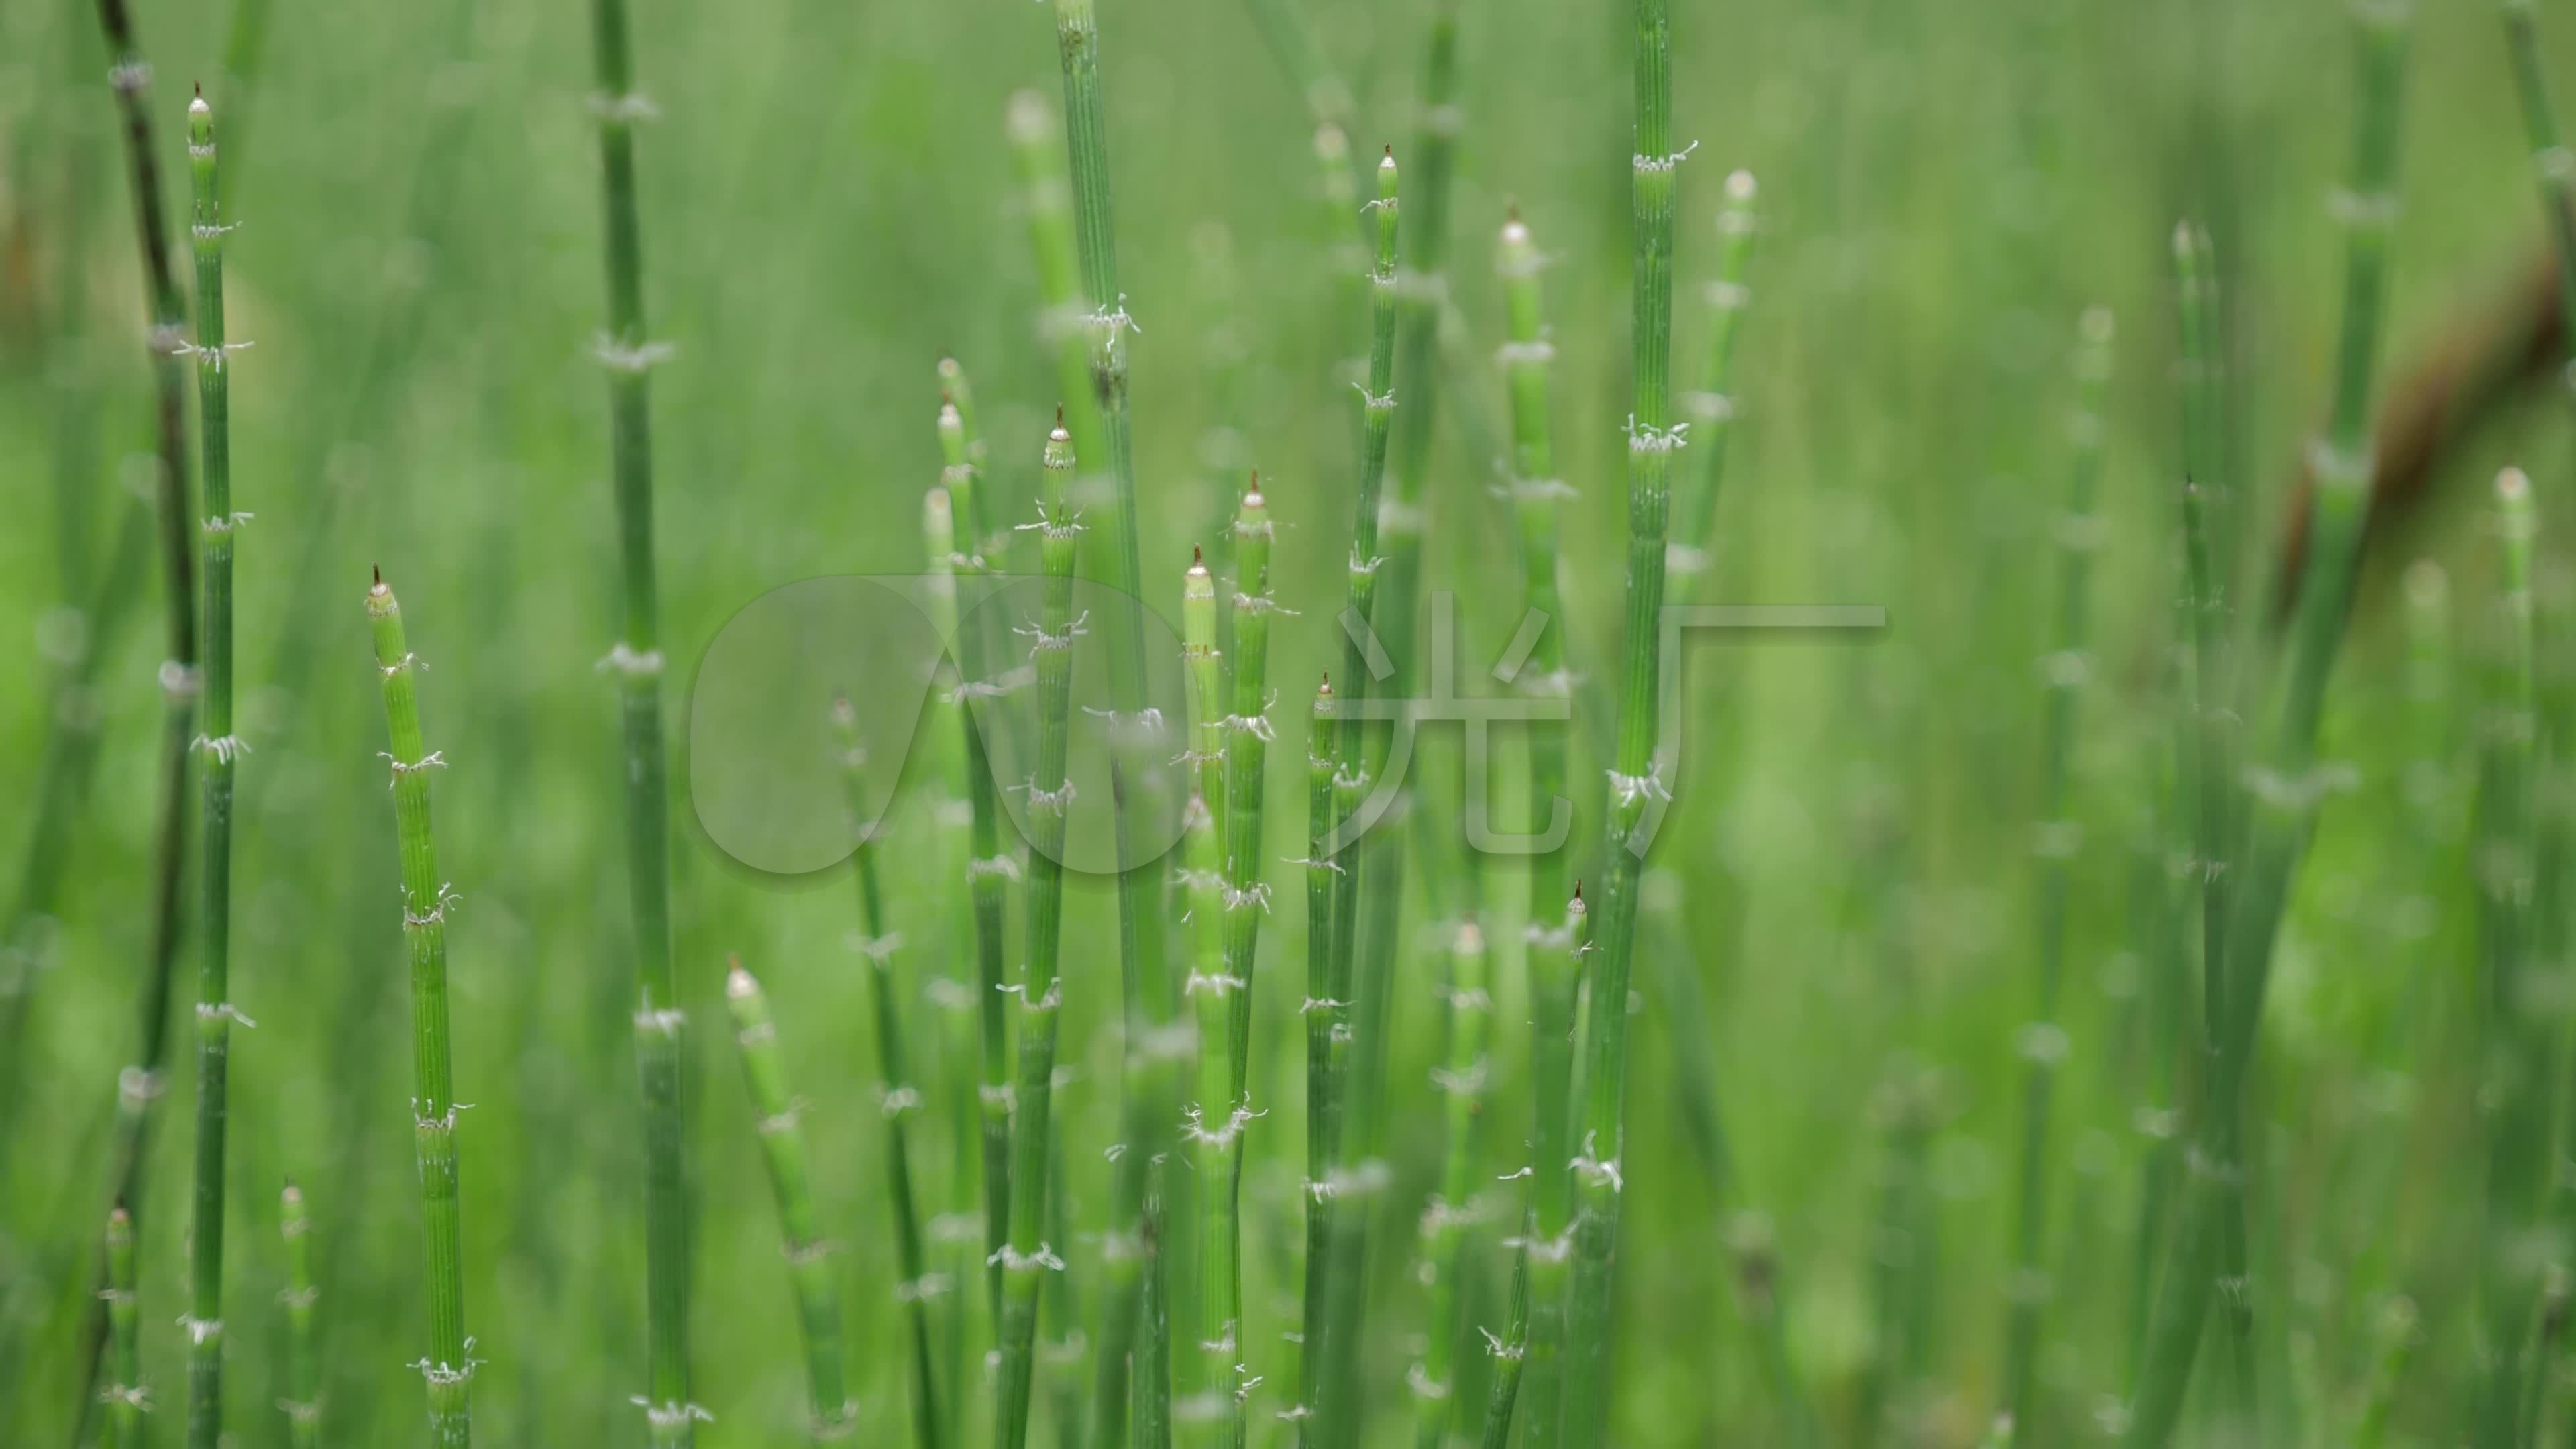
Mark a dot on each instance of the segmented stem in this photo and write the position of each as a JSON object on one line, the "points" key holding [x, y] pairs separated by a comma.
{"points": [[124, 1392], [1711, 408], [1437, 1405], [2056, 839], [1212, 1412], [215, 1013], [303, 1404], [1027, 1256], [1323, 1014], [782, 1146], [449, 1368]]}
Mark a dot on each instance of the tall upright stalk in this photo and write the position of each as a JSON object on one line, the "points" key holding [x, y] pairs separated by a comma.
{"points": [[1027, 1256], [2515, 1098], [902, 1101], [215, 1014], [126, 1399], [2552, 168], [2043, 1041], [629, 355], [1247, 753], [1711, 406], [1438, 1407], [1331, 1358], [303, 1404], [2285, 787], [1212, 1413], [1323, 1014], [1555, 973], [1652, 440], [449, 1366], [782, 1144]]}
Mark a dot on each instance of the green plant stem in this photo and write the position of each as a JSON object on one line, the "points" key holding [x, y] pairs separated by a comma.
{"points": [[2397, 1336], [1651, 442], [1027, 1257], [1711, 407], [782, 1145], [1510, 1353], [2514, 1097], [2284, 789], [449, 1367], [1555, 974], [1212, 1412], [215, 1014], [2043, 1043], [2552, 168], [1247, 755], [303, 1406], [1324, 1327], [628, 353], [1322, 1014], [1444, 1242], [126, 1399]]}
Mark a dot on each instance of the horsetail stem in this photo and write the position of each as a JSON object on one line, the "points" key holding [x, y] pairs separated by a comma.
{"points": [[2043, 1041], [449, 1367], [1247, 746], [1444, 1245], [1027, 1256], [1554, 972], [1652, 440], [902, 1099], [1212, 1414], [1343, 221], [629, 355], [1323, 1014], [2397, 1333], [303, 1406], [126, 1399], [1206, 670], [2516, 1099], [1711, 408], [1550, 1248], [215, 1014], [782, 1146], [1511, 1353], [2286, 787], [2552, 167]]}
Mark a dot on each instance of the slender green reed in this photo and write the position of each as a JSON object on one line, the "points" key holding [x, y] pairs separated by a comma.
{"points": [[1555, 974], [1205, 667], [1027, 1256], [1247, 754], [2285, 787], [426, 898], [629, 354], [2397, 1335], [1511, 1351], [303, 1404], [1323, 1013], [142, 1082], [1711, 407], [2043, 1041], [2515, 1097], [833, 1413], [2552, 167], [215, 1013], [127, 1402], [989, 867], [1452, 1209], [1212, 1412], [782, 1145], [1652, 440], [1343, 224]]}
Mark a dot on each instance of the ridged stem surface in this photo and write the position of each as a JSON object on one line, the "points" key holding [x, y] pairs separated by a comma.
{"points": [[303, 1403], [126, 1399], [1437, 1406]]}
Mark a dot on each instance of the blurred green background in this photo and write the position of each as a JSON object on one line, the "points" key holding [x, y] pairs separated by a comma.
{"points": [[827, 210]]}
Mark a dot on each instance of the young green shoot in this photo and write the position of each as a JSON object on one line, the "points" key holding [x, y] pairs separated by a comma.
{"points": [[426, 900], [1452, 1209], [303, 1404], [127, 1402]]}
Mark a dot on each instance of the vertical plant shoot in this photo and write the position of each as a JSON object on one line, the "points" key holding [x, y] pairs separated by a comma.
{"points": [[303, 1406], [1711, 407], [782, 1147], [1452, 1209], [1247, 745], [2283, 783], [626, 350], [1027, 1257], [1323, 1015], [215, 1014], [2055, 840], [449, 1366], [1653, 438], [1212, 1413], [126, 1400], [2550, 165]]}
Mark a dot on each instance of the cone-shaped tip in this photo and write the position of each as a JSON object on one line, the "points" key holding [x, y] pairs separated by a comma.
{"points": [[292, 1194], [2513, 485], [379, 571], [1059, 415], [1390, 157], [738, 982], [1740, 186], [1198, 557]]}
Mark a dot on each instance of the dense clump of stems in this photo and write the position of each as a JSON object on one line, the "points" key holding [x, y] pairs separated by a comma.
{"points": [[2284, 785], [1325, 1271], [1437, 1405], [215, 1014], [2515, 1097], [629, 354], [1026, 1257], [2551, 166], [2043, 1042], [1634, 783], [124, 1393], [303, 1403], [140, 1084], [989, 868], [782, 1146], [1555, 975], [902, 1100], [449, 1367]]}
